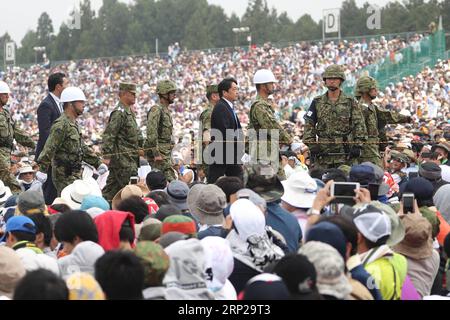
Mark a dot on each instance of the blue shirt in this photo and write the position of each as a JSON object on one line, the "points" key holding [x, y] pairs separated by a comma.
{"points": [[286, 224]]}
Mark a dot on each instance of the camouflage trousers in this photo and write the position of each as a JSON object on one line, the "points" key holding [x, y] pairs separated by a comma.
{"points": [[118, 178], [371, 153], [165, 166], [61, 179], [5, 172]]}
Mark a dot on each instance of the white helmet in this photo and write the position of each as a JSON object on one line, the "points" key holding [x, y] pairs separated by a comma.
{"points": [[4, 88], [71, 94], [264, 76]]}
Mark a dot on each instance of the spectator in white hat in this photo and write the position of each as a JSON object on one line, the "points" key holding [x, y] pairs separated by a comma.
{"points": [[27, 179]]}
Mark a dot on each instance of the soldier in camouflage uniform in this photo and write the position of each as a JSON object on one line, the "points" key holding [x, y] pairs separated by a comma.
{"points": [[8, 132], [65, 149], [122, 140], [334, 124], [159, 142], [375, 117], [212, 94], [264, 123]]}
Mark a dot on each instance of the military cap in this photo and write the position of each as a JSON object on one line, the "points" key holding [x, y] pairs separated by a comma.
{"points": [[165, 86], [364, 85], [124, 86], [334, 71], [399, 157], [214, 88]]}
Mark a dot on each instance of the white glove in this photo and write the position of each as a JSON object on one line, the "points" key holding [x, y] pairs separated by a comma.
{"points": [[102, 169], [42, 177]]}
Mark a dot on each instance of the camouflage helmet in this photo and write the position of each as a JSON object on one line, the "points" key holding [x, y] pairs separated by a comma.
{"points": [[364, 85], [334, 71], [165, 86]]}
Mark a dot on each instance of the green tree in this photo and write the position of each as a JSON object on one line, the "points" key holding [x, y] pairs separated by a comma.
{"points": [[45, 30]]}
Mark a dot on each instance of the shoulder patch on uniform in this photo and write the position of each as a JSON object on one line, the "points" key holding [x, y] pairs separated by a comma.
{"points": [[309, 113]]}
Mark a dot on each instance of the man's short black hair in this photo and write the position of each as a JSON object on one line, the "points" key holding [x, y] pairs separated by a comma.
{"points": [[136, 206], [226, 85], [41, 285], [74, 224], [23, 236], [156, 180], [165, 211], [54, 80], [43, 225], [230, 185], [348, 229], [126, 232], [121, 275]]}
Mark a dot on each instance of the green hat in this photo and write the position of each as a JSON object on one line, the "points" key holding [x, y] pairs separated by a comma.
{"points": [[334, 71], [364, 85], [214, 88], [154, 260], [130, 87], [165, 86], [263, 180], [395, 155]]}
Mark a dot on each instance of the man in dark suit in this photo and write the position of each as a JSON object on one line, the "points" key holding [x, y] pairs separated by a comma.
{"points": [[226, 135], [48, 111]]}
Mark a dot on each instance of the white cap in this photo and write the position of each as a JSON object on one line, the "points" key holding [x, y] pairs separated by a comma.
{"points": [[4, 88], [264, 76], [71, 94], [372, 223], [300, 190], [26, 169]]}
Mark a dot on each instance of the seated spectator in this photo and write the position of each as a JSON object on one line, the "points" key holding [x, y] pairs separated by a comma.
{"points": [[300, 277], [265, 286], [78, 233], [137, 206], [125, 193], [330, 268], [221, 264], [83, 286], [433, 173], [74, 193], [115, 230], [41, 285], [388, 268], [121, 275], [206, 203], [252, 248], [156, 263], [20, 235], [230, 185], [94, 205], [44, 233], [151, 230], [166, 210], [27, 179], [179, 223], [160, 197], [299, 193], [417, 247], [156, 181], [187, 283], [11, 272], [264, 181], [30, 202]]}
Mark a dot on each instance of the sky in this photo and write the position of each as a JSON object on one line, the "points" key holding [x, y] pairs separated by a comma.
{"points": [[19, 16]]}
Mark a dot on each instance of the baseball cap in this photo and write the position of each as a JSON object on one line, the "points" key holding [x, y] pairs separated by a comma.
{"points": [[19, 223], [372, 223]]}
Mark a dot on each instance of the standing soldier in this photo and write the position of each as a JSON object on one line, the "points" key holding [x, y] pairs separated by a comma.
{"points": [[262, 117], [122, 140], [8, 132], [159, 142], [212, 94], [65, 149], [375, 117], [334, 124]]}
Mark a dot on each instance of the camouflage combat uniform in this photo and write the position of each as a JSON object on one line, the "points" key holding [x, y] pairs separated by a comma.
{"points": [[334, 128], [159, 134], [121, 142], [262, 117], [65, 150], [376, 118], [9, 132]]}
